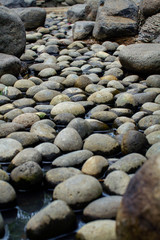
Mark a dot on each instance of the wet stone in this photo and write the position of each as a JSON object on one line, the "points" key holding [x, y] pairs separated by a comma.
{"points": [[72, 159], [27, 175], [55, 176], [8, 195], [78, 190], [102, 208]]}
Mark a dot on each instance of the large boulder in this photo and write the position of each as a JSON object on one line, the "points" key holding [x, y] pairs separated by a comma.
{"points": [[150, 30], [142, 58], [9, 64], [12, 33], [18, 3], [32, 17], [138, 216], [82, 29], [76, 13], [149, 8], [116, 18], [91, 9]]}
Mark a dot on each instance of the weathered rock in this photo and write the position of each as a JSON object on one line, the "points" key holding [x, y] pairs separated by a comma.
{"points": [[4, 176], [76, 13], [55, 219], [49, 151], [72, 159], [101, 143], [55, 176], [78, 190], [68, 107], [31, 17], [7, 128], [8, 149], [18, 3], [134, 141], [7, 196], [81, 126], [141, 221], [116, 182], [8, 79], [27, 139], [129, 163], [141, 58], [148, 121], [13, 44], [68, 140], [9, 64], [153, 151], [150, 31], [102, 208], [149, 9], [27, 119], [82, 29], [27, 176], [153, 81], [99, 229]]}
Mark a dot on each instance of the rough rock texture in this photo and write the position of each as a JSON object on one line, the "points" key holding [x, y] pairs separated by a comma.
{"points": [[18, 3], [31, 17], [12, 33], [150, 30], [76, 13], [141, 58], [57, 218], [9, 64], [138, 217], [91, 9], [148, 8], [82, 29], [7, 196]]}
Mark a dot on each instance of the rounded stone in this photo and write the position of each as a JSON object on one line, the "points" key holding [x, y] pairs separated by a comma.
{"points": [[104, 116], [153, 137], [153, 151], [24, 102], [49, 151], [129, 163], [116, 182], [72, 159], [101, 143], [8, 149], [4, 176], [153, 81], [7, 196], [28, 154], [55, 176], [23, 84], [142, 189], [68, 107], [45, 95], [8, 79], [134, 141], [63, 118], [55, 219], [102, 96], [9, 116], [25, 138], [126, 100], [95, 166], [27, 176], [81, 126], [68, 140], [148, 121], [102, 208], [27, 119], [99, 229], [60, 98], [78, 190], [6, 128]]}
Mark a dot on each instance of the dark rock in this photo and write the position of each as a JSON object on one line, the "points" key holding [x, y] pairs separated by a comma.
{"points": [[149, 9], [9, 64], [82, 29], [13, 44], [76, 13]]}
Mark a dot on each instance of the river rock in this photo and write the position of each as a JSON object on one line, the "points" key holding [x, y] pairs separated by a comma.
{"points": [[4, 176], [102, 96], [49, 151], [55, 176], [13, 44], [102, 208], [81, 126], [153, 137], [148, 121], [95, 166], [28, 154], [72, 159], [99, 229], [31, 17], [116, 182], [55, 219], [153, 81], [27, 175], [25, 138], [141, 58], [68, 140], [82, 29], [141, 214], [8, 79], [153, 151], [9, 64], [8, 195], [128, 163], [78, 190], [27, 119], [68, 107], [130, 140], [101, 143], [8, 149], [147, 9], [7, 128]]}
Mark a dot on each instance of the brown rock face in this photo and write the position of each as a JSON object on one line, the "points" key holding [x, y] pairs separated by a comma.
{"points": [[139, 215]]}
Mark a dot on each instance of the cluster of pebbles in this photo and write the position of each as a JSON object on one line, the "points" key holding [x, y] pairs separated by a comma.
{"points": [[79, 113]]}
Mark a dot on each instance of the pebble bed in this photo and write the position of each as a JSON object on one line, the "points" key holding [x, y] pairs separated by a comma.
{"points": [[76, 126]]}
